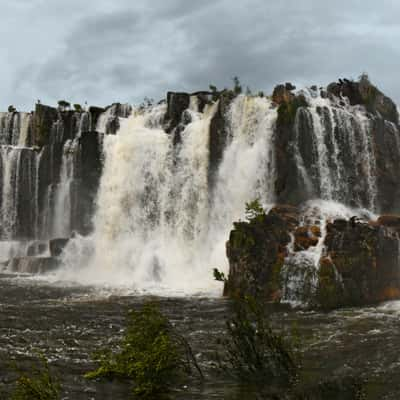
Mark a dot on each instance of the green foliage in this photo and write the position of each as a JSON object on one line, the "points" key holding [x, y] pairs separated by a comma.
{"points": [[11, 109], [218, 275], [261, 94], [214, 91], [63, 105], [254, 210], [243, 235], [153, 355], [287, 110], [78, 108], [254, 352], [39, 384], [237, 87]]}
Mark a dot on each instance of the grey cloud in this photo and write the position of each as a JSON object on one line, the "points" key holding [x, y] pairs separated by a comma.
{"points": [[126, 50]]}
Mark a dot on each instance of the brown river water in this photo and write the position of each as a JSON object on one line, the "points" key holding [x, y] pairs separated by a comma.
{"points": [[67, 324]]}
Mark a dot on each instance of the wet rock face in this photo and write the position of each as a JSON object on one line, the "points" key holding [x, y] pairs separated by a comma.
{"points": [[177, 103], [349, 137], [218, 134], [57, 246], [256, 251], [363, 92], [33, 265], [360, 263]]}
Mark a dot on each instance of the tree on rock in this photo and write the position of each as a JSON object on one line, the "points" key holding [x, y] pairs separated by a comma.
{"points": [[78, 108], [12, 109]]}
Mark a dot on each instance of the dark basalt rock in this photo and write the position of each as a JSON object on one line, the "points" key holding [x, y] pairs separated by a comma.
{"points": [[57, 246], [88, 183], [256, 251], [218, 134], [36, 248], [363, 92], [33, 265], [95, 113], [43, 119], [177, 103], [360, 264]]}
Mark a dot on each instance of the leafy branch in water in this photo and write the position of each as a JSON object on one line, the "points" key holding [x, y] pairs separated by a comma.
{"points": [[39, 384], [254, 352], [153, 355]]}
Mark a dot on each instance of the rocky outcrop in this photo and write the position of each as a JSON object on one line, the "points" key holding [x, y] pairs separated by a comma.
{"points": [[218, 134], [57, 246], [326, 140], [33, 265], [256, 251], [359, 264], [363, 92]]}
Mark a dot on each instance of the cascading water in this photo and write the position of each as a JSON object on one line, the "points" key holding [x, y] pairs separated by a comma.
{"points": [[299, 271], [166, 201], [63, 193], [339, 163], [158, 226]]}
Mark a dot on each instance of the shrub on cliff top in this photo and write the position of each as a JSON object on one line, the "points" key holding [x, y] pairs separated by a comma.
{"points": [[153, 355]]}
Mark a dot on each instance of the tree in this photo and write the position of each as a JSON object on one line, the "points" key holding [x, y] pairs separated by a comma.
{"points": [[63, 105], [78, 108], [254, 210], [237, 87], [11, 109], [153, 355]]}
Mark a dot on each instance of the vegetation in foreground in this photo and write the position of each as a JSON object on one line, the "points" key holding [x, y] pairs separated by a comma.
{"points": [[38, 384], [153, 356]]}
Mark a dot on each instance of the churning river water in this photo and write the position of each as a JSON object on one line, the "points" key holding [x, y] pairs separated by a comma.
{"points": [[68, 323]]}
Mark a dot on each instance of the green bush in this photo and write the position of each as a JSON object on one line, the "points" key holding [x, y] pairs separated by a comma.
{"points": [[39, 384], [153, 355], [254, 352]]}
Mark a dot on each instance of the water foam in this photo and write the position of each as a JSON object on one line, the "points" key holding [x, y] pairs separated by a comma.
{"points": [[158, 227]]}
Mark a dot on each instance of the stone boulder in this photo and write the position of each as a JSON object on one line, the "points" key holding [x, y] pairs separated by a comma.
{"points": [[359, 263], [363, 92], [360, 266], [256, 251], [57, 246]]}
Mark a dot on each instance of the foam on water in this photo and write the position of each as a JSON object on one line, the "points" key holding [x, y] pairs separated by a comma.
{"points": [[158, 227]]}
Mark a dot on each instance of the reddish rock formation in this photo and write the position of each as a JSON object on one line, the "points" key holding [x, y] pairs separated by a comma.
{"points": [[360, 264]]}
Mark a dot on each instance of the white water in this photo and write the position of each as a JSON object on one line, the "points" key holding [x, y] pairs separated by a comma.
{"points": [[63, 197], [158, 227], [301, 266], [347, 135]]}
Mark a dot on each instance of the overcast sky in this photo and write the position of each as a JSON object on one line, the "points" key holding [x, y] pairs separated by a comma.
{"points": [[102, 51]]}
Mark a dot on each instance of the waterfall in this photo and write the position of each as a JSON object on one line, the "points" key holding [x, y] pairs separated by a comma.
{"points": [[63, 193], [339, 163], [167, 197], [158, 226], [300, 268]]}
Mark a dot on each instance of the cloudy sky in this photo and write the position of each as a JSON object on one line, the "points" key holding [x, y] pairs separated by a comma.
{"points": [[101, 51]]}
